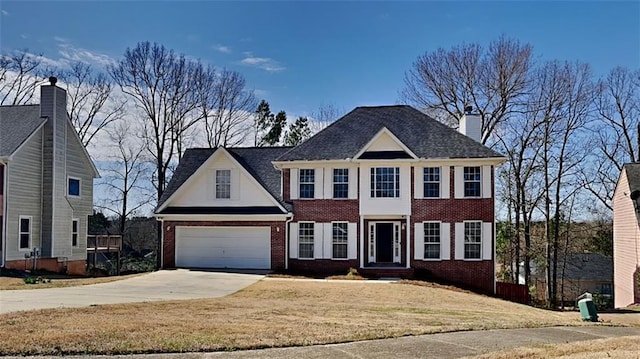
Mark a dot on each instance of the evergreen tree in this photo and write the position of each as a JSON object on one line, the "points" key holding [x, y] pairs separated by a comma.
{"points": [[297, 132]]}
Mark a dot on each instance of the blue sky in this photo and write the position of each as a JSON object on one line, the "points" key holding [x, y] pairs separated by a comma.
{"points": [[298, 55]]}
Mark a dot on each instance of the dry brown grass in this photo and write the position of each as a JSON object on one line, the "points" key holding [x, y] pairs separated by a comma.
{"points": [[622, 348], [270, 313], [10, 283]]}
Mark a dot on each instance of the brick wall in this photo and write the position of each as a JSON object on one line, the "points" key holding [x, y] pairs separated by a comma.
{"points": [[286, 185], [322, 266], [49, 264], [277, 238], [326, 210]]}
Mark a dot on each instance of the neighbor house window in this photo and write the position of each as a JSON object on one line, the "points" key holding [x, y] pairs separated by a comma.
{"points": [[432, 240], [73, 187], [340, 240], [223, 184], [472, 240], [385, 182], [74, 232], [25, 232], [307, 180], [305, 240], [472, 181], [431, 182], [341, 183]]}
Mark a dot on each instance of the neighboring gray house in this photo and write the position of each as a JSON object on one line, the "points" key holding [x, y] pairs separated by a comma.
{"points": [[46, 186]]}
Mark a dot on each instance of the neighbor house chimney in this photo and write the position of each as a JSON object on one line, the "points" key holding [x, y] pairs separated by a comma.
{"points": [[471, 124]]}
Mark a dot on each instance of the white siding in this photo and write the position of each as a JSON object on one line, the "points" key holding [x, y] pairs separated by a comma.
{"points": [[384, 142], [385, 206]]}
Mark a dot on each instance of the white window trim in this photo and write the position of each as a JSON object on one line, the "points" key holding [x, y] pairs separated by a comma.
{"points": [[333, 183], [346, 243], [439, 259], [77, 233], [480, 169], [481, 240], [79, 187], [373, 188], [314, 183], [30, 218], [424, 194], [215, 184], [314, 242]]}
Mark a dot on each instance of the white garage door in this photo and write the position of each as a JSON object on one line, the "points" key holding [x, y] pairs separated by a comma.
{"points": [[223, 247]]}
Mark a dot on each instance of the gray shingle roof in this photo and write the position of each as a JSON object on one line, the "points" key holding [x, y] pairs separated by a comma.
{"points": [[256, 160], [424, 136], [589, 266], [17, 123], [633, 175]]}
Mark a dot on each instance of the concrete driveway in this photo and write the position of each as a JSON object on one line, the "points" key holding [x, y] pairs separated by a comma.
{"points": [[163, 285]]}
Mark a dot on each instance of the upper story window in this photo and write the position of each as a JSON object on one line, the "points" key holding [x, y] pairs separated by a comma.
{"points": [[307, 180], [73, 187], [305, 239], [223, 184], [385, 182], [25, 232], [74, 232], [472, 240], [431, 177], [341, 183], [472, 181], [432, 240], [340, 238]]}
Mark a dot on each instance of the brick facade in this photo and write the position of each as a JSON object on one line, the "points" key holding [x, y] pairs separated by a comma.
{"points": [[77, 267], [277, 238]]}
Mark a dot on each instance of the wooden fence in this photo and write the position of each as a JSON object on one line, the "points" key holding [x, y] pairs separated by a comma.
{"points": [[518, 293]]}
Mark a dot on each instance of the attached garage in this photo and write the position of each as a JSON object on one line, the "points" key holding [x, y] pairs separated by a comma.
{"points": [[223, 247]]}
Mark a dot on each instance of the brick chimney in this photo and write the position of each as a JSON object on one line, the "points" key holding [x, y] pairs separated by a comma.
{"points": [[471, 124]]}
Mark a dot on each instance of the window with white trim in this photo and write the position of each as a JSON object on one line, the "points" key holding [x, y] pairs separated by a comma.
{"points": [[431, 240], [473, 240], [75, 224], [73, 187], [24, 235], [223, 184], [307, 183], [431, 176], [340, 183], [340, 238], [472, 181], [305, 239], [385, 182]]}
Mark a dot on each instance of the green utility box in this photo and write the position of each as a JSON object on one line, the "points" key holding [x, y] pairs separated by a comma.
{"points": [[588, 309]]}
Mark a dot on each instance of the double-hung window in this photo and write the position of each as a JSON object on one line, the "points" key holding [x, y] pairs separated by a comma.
{"points": [[385, 182], [307, 183], [472, 240], [472, 181], [74, 232], [431, 240], [25, 232], [431, 182], [305, 239], [340, 237], [223, 184], [341, 183]]}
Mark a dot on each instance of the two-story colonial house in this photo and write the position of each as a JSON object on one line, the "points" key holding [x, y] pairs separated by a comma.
{"points": [[386, 190], [46, 186]]}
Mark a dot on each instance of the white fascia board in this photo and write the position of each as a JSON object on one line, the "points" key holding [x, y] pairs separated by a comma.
{"points": [[223, 217], [495, 161], [309, 163], [393, 137]]}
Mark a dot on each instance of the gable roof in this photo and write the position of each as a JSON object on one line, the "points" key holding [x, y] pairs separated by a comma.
{"points": [[256, 160], [589, 266], [633, 175], [424, 136], [17, 123]]}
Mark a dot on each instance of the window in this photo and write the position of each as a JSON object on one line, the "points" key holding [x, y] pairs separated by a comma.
{"points": [[385, 182], [223, 184], [25, 232], [472, 240], [341, 183], [74, 232], [307, 179], [432, 240], [305, 240], [432, 182], [472, 181], [73, 187], [340, 240]]}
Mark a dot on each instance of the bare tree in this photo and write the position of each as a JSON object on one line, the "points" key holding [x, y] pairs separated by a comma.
{"points": [[20, 75], [228, 109], [92, 105], [165, 88], [325, 115], [125, 175], [494, 81]]}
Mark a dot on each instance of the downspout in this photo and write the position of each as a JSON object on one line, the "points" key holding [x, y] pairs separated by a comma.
{"points": [[4, 212], [286, 240], [162, 244]]}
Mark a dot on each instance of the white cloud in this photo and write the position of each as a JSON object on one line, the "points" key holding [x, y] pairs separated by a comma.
{"points": [[5, 13], [264, 63], [71, 53], [222, 48]]}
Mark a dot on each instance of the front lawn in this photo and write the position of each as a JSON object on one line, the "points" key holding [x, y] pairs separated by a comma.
{"points": [[56, 281], [270, 313]]}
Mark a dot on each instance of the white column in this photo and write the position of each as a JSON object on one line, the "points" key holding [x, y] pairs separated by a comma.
{"points": [[407, 245], [362, 242]]}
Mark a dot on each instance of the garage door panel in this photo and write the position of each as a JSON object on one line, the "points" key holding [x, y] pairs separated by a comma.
{"points": [[223, 247]]}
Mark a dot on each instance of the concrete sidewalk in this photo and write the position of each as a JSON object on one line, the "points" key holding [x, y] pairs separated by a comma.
{"points": [[162, 285]]}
